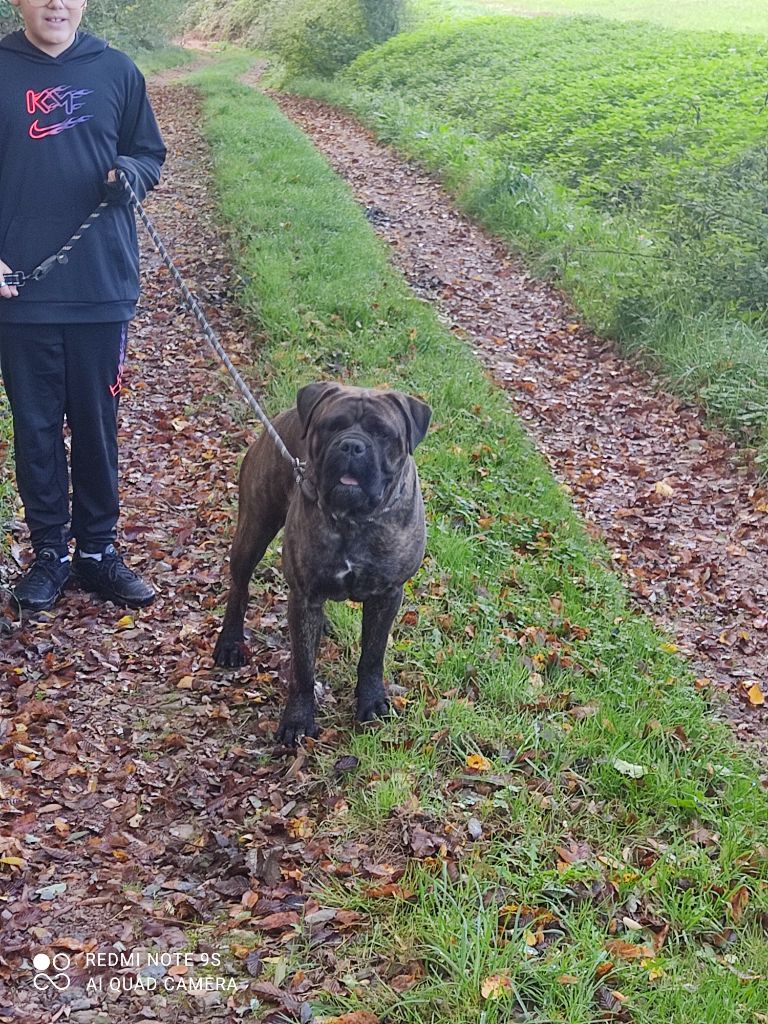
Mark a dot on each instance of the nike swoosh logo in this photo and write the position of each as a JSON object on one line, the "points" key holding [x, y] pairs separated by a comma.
{"points": [[38, 131]]}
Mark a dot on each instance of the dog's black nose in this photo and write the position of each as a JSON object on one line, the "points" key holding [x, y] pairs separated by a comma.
{"points": [[352, 446]]}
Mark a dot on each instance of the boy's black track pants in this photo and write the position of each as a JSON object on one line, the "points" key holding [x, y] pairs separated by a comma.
{"points": [[54, 372]]}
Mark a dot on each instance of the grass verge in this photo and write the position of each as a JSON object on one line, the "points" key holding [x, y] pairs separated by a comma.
{"points": [[152, 61], [577, 836], [625, 161]]}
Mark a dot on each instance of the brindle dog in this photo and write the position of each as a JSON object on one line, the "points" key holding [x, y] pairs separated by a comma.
{"points": [[353, 530]]}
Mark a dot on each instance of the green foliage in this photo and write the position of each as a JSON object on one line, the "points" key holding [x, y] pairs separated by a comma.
{"points": [[237, 21], [136, 25], [131, 26], [8, 21], [629, 162], [722, 16], [383, 18], [315, 37], [321, 36]]}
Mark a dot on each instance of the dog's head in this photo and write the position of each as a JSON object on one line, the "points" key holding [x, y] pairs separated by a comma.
{"points": [[358, 442]]}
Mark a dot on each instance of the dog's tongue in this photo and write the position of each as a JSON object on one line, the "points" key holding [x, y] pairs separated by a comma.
{"points": [[349, 481]]}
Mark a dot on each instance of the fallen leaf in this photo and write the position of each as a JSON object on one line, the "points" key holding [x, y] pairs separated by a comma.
{"points": [[629, 950], [377, 892], [355, 1017], [495, 987], [739, 902], [632, 771], [50, 892], [14, 862], [478, 763], [754, 692], [276, 922], [608, 1000]]}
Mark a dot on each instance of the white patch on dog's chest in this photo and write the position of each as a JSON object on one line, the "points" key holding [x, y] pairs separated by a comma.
{"points": [[346, 570]]}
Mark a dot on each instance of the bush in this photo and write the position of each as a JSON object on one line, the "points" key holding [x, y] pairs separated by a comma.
{"points": [[134, 25], [315, 37], [319, 37], [247, 22], [383, 18]]}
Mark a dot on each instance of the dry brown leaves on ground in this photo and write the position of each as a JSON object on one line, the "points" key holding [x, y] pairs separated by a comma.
{"points": [[130, 767]]}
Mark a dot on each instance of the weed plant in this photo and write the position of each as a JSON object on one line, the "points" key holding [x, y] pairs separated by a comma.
{"points": [[6, 471], [518, 651]]}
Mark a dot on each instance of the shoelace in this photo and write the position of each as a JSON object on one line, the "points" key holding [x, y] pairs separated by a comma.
{"points": [[116, 568], [48, 567]]}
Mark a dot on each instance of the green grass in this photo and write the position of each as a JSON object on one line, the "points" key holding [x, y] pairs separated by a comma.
{"points": [[722, 16], [517, 643], [625, 161], [150, 62]]}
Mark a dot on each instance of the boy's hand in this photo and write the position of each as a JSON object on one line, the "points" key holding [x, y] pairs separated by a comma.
{"points": [[113, 190], [7, 291]]}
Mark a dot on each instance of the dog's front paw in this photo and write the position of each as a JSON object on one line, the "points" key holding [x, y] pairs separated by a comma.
{"points": [[372, 705], [230, 652], [296, 722]]}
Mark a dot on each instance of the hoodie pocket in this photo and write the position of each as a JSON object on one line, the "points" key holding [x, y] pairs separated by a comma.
{"points": [[102, 265]]}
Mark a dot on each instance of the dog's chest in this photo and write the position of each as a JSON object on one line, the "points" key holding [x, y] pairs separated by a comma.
{"points": [[347, 565], [351, 577]]}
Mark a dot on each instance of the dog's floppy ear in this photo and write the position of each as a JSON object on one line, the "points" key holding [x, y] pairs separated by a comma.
{"points": [[308, 398], [416, 414]]}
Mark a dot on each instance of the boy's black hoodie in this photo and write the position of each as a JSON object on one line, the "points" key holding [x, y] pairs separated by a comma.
{"points": [[64, 123]]}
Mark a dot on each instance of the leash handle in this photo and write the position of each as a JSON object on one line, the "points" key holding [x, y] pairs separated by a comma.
{"points": [[194, 307]]}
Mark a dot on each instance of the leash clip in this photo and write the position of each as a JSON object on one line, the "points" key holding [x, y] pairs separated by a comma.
{"points": [[15, 280], [47, 266]]}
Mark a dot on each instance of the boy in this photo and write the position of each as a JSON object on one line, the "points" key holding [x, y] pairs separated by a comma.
{"points": [[73, 111]]}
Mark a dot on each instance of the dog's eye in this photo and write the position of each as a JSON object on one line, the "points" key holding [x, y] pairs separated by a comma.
{"points": [[378, 429], [339, 423]]}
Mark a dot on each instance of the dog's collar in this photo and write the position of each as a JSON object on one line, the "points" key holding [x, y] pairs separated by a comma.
{"points": [[311, 493]]}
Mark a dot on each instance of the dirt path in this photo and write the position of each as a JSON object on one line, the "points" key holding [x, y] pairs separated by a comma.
{"points": [[686, 519], [129, 769]]}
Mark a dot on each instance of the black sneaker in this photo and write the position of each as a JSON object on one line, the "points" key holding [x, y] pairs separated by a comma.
{"points": [[43, 583], [111, 579]]}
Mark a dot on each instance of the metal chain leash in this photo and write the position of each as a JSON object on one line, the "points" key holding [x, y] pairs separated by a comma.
{"points": [[194, 307], [19, 279]]}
